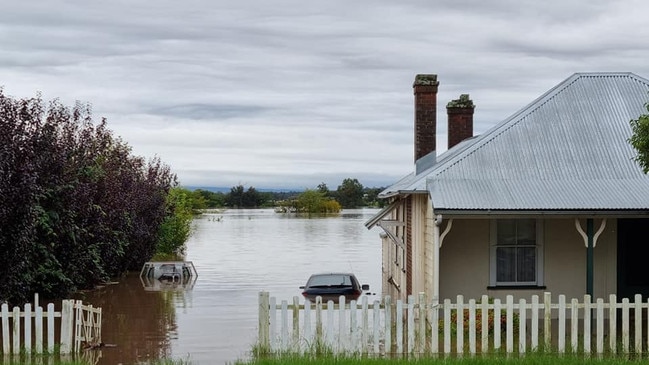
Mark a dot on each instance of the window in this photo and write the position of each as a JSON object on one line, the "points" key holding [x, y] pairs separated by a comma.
{"points": [[516, 252]]}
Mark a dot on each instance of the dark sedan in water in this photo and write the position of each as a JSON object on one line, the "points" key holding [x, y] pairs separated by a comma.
{"points": [[330, 286]]}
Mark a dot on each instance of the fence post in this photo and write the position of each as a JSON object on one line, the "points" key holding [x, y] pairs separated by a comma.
{"points": [[434, 324], [5, 328], [472, 327], [376, 315], [38, 328], [318, 321], [625, 325], [599, 344], [497, 321], [510, 324], [296, 323], [16, 321], [588, 332], [535, 322], [28, 327], [387, 303], [50, 328], [561, 341], [343, 340], [574, 325], [638, 323], [67, 322], [399, 326], [522, 322], [284, 325], [422, 322], [411, 324], [459, 345], [547, 320], [447, 326], [612, 323], [484, 319], [264, 321]]}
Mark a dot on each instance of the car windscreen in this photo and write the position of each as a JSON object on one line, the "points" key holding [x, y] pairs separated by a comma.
{"points": [[330, 280]]}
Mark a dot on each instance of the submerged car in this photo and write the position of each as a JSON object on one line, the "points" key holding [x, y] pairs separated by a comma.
{"points": [[330, 286]]}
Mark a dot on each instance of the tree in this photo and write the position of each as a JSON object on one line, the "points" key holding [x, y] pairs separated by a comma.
{"points": [[251, 198], [76, 207], [322, 187], [176, 227], [350, 193], [370, 197], [239, 197], [640, 139], [314, 201], [211, 199], [235, 197]]}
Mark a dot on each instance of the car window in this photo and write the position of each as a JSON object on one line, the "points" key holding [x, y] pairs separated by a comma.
{"points": [[326, 280]]}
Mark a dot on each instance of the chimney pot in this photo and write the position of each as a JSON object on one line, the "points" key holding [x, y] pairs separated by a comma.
{"points": [[460, 119], [425, 91]]}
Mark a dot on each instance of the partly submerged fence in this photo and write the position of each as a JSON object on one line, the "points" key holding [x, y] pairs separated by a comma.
{"points": [[79, 325], [419, 327]]}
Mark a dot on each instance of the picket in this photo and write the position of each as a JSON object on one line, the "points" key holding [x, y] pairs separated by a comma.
{"points": [[416, 326], [32, 330]]}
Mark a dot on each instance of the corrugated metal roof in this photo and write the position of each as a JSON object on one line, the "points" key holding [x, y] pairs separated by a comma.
{"points": [[567, 150]]}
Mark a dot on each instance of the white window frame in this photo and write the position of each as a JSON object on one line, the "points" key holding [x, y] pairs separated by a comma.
{"points": [[494, 262]]}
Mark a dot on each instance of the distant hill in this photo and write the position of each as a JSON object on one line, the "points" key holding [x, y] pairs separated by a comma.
{"points": [[225, 190]]}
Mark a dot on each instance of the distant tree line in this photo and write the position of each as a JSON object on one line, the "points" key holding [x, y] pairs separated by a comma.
{"points": [[349, 194], [76, 207]]}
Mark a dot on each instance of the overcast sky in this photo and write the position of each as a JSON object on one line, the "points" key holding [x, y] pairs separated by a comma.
{"points": [[289, 94]]}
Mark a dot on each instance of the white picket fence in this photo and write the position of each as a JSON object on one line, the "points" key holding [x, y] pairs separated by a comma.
{"points": [[420, 327], [33, 330]]}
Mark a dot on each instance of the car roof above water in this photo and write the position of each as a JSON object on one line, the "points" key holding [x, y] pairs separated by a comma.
{"points": [[332, 273]]}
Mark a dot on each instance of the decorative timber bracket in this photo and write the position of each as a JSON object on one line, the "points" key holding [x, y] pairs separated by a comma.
{"points": [[583, 234]]}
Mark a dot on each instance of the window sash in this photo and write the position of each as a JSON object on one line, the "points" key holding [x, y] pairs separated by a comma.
{"points": [[516, 252]]}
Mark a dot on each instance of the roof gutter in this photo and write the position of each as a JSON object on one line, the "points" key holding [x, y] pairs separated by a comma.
{"points": [[477, 213], [402, 192]]}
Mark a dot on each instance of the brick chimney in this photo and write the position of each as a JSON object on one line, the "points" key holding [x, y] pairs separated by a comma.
{"points": [[425, 90], [460, 119]]}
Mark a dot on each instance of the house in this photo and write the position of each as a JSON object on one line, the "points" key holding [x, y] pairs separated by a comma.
{"points": [[550, 199]]}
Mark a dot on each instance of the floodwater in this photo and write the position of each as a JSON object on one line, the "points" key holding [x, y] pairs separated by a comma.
{"points": [[237, 254]]}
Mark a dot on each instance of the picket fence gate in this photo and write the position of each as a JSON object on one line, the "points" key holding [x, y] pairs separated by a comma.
{"points": [[419, 327], [79, 324]]}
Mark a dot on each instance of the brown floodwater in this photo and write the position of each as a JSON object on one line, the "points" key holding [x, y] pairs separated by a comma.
{"points": [[237, 254]]}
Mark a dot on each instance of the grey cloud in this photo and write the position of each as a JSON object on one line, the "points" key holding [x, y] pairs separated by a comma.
{"points": [[210, 112], [291, 91]]}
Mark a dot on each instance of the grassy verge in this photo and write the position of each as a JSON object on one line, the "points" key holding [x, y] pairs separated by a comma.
{"points": [[533, 359], [38, 360]]}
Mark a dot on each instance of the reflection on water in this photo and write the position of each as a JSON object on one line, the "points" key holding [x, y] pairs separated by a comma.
{"points": [[237, 253]]}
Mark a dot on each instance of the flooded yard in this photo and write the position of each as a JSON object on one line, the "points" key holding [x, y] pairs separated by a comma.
{"points": [[237, 254]]}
